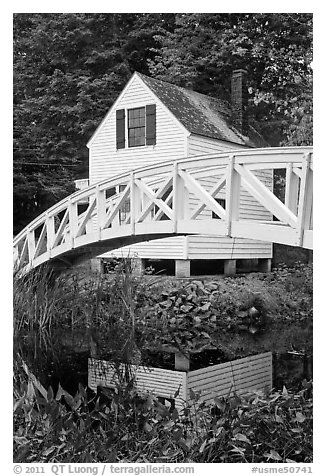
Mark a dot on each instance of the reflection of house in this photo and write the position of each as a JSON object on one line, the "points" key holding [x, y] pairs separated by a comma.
{"points": [[154, 121], [238, 377]]}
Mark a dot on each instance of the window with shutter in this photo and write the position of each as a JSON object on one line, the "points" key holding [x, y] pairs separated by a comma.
{"points": [[120, 129], [141, 126]]}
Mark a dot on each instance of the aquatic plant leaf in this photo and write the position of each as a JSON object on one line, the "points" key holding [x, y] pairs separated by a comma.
{"points": [[50, 394], [273, 455], [183, 444], [300, 417], [60, 393], [241, 437], [202, 446]]}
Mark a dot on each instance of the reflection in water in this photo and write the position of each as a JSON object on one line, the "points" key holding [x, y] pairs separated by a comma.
{"points": [[61, 356]]}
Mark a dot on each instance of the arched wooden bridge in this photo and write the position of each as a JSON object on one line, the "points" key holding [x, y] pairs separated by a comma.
{"points": [[169, 199]]}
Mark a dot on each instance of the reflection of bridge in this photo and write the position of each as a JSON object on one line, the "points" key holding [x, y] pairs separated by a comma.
{"points": [[153, 202]]}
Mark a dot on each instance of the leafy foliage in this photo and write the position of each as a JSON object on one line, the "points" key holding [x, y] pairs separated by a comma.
{"points": [[137, 428], [238, 315], [276, 50]]}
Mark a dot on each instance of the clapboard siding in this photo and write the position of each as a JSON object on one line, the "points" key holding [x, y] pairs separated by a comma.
{"points": [[106, 160], [199, 145], [247, 384], [211, 247], [239, 376], [162, 382], [229, 390], [240, 380], [167, 248]]}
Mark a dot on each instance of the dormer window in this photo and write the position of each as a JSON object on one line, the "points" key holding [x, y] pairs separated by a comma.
{"points": [[140, 127]]}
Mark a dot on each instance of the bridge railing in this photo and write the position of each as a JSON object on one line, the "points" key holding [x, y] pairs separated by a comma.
{"points": [[170, 198]]}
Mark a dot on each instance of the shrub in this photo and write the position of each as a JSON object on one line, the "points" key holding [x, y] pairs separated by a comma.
{"points": [[126, 427]]}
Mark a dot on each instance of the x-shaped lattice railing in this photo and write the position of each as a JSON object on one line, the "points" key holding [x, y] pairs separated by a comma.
{"points": [[173, 198]]}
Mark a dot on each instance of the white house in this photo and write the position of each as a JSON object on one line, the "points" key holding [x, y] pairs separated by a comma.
{"points": [[154, 121]]}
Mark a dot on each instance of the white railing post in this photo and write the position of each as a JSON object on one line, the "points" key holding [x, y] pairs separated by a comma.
{"points": [[135, 203], [73, 221], [232, 196], [305, 198], [291, 189], [100, 209], [50, 232], [177, 199], [31, 245]]}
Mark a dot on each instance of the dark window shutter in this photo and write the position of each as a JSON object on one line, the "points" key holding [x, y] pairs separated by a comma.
{"points": [[151, 124], [120, 128]]}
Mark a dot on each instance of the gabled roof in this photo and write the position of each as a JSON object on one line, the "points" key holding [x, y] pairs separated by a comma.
{"points": [[201, 114]]}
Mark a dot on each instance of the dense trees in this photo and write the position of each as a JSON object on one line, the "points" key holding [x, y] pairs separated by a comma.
{"points": [[276, 50], [69, 68]]}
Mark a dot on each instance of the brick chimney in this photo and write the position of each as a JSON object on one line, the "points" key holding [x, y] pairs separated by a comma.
{"points": [[239, 100]]}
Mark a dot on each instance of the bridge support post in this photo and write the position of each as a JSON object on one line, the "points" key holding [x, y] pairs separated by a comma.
{"points": [[265, 265], [230, 266], [138, 266], [181, 362], [96, 265], [182, 268]]}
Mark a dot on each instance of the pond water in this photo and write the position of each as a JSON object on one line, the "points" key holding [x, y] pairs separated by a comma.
{"points": [[62, 356]]}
